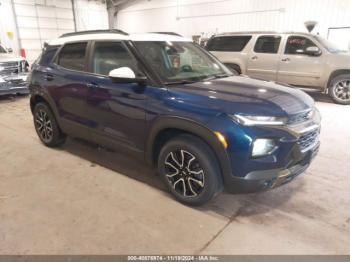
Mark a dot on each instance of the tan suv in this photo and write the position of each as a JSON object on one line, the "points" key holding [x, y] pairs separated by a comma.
{"points": [[299, 59]]}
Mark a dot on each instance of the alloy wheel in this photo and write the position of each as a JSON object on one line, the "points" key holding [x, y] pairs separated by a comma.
{"points": [[44, 126], [342, 90], [184, 173]]}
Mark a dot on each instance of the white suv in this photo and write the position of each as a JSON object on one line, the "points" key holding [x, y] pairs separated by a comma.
{"points": [[299, 59]]}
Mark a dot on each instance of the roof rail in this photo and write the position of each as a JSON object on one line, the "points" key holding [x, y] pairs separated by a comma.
{"points": [[106, 31], [167, 33]]}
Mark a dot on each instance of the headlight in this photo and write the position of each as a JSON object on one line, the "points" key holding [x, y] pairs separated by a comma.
{"points": [[259, 120], [263, 146]]}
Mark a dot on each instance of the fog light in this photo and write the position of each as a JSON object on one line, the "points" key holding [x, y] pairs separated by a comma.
{"points": [[263, 146]]}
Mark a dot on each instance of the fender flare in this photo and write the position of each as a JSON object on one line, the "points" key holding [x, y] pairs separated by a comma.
{"points": [[163, 123], [42, 95]]}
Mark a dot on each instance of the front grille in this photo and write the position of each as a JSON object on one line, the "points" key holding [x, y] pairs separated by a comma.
{"points": [[9, 64], [308, 140], [12, 67], [300, 117]]}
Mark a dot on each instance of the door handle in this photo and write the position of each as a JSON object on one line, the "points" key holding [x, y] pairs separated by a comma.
{"points": [[285, 59], [48, 77], [92, 85], [254, 57]]}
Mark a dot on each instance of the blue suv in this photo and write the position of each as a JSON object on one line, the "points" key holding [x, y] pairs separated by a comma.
{"points": [[164, 99]]}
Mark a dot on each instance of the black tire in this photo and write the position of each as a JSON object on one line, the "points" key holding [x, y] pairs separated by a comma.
{"points": [[200, 176], [339, 89], [234, 69], [46, 126]]}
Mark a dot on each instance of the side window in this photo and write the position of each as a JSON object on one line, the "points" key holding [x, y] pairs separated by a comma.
{"points": [[47, 55], [228, 43], [297, 45], [111, 55], [72, 56], [267, 44]]}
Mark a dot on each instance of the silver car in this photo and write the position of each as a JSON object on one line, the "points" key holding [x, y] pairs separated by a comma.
{"points": [[299, 59], [13, 73]]}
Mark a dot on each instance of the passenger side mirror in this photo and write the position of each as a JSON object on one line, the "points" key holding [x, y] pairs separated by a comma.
{"points": [[125, 75], [10, 50], [313, 51]]}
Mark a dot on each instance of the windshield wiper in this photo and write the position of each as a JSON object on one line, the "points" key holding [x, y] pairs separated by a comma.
{"points": [[215, 77], [181, 82]]}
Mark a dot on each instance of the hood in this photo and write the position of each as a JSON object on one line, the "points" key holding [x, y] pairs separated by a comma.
{"points": [[244, 95], [8, 57]]}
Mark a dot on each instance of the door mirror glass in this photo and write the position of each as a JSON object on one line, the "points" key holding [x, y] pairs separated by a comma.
{"points": [[313, 51], [125, 75]]}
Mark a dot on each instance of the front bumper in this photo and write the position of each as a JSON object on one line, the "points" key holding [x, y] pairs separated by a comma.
{"points": [[267, 179], [14, 84]]}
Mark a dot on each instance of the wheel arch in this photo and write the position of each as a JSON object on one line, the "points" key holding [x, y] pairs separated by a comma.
{"points": [[42, 97], [234, 66], [164, 128], [334, 74]]}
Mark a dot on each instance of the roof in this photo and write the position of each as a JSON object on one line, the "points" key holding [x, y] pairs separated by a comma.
{"points": [[261, 32], [115, 36]]}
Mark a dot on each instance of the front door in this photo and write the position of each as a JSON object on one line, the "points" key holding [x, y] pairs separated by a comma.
{"points": [[263, 60], [116, 109], [298, 68]]}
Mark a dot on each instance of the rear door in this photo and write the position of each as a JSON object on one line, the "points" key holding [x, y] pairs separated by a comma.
{"points": [[65, 82], [264, 58], [298, 68]]}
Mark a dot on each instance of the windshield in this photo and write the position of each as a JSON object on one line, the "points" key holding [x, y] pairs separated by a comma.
{"points": [[180, 61], [2, 50], [331, 47]]}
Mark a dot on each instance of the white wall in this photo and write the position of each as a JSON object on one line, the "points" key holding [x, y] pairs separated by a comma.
{"points": [[42, 20], [190, 17], [91, 15]]}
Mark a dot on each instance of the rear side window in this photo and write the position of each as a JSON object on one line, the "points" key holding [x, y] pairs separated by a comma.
{"points": [[228, 43], [47, 55], [297, 45], [267, 44], [72, 56]]}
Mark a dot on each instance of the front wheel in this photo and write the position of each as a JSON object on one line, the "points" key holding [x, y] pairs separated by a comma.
{"points": [[189, 169], [339, 89]]}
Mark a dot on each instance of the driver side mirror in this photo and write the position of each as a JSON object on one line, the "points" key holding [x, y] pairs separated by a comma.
{"points": [[10, 50], [313, 51], [125, 75]]}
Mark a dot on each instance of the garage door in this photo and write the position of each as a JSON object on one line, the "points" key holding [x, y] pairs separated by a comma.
{"points": [[40, 20]]}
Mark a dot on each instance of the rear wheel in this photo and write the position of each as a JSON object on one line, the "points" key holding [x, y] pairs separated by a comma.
{"points": [[339, 89], [189, 169], [46, 126]]}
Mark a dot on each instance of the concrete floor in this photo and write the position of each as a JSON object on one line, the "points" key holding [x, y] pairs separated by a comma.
{"points": [[83, 200]]}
